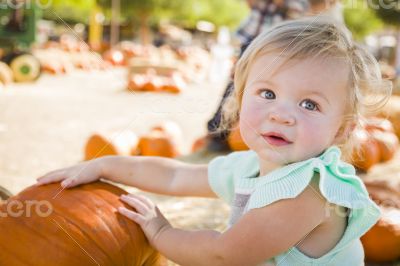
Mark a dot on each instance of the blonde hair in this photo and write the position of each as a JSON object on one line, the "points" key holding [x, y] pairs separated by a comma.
{"points": [[315, 38]]}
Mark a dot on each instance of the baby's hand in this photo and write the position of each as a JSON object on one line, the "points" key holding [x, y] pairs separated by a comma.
{"points": [[147, 215], [72, 176]]}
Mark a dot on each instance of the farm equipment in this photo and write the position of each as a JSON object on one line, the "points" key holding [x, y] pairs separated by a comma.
{"points": [[17, 33]]}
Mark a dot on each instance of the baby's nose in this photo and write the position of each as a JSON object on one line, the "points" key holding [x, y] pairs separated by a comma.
{"points": [[281, 118]]}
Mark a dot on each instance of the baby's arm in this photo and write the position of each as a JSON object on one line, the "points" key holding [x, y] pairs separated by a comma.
{"points": [[158, 175], [153, 174], [259, 235]]}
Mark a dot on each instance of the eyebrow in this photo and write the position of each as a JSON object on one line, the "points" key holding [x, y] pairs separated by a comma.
{"points": [[318, 94], [264, 81]]}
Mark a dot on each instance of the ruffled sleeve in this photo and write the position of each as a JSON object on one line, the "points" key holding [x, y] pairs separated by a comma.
{"points": [[224, 170], [338, 184]]}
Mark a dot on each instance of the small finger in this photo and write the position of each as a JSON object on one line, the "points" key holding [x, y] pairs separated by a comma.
{"points": [[144, 199], [131, 215], [136, 203], [50, 178], [69, 182]]}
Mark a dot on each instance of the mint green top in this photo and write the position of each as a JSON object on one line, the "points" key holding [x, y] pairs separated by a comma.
{"points": [[235, 179]]}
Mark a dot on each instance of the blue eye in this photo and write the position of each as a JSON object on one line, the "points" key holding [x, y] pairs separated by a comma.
{"points": [[309, 105], [267, 94]]}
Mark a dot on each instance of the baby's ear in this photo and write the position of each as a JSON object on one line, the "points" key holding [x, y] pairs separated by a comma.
{"points": [[344, 132]]}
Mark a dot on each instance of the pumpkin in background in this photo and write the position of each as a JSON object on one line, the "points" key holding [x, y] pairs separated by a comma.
{"points": [[173, 83], [101, 144], [199, 144], [387, 143], [235, 140], [378, 123], [158, 143], [78, 226], [136, 82], [391, 111], [172, 130], [144, 82], [366, 153], [153, 83], [53, 67], [115, 57], [151, 80], [376, 142], [382, 242]]}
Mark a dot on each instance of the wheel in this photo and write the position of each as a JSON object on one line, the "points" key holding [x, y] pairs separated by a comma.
{"points": [[25, 68], [4, 194]]}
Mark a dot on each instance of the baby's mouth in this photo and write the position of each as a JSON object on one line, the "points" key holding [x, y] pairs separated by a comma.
{"points": [[276, 139]]}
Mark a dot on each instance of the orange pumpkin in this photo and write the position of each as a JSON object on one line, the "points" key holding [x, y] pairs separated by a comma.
{"points": [[136, 82], [169, 85], [151, 80], [115, 57], [174, 83], [153, 83], [367, 152], [79, 226], [101, 144], [172, 130], [235, 140], [376, 143], [387, 142], [382, 242], [377, 123], [391, 111], [158, 143], [199, 144]]}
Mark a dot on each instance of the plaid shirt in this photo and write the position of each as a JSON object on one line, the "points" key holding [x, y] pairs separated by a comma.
{"points": [[266, 13]]}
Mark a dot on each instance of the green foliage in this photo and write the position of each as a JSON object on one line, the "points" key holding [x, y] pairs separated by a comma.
{"points": [[360, 19], [221, 12], [71, 11], [182, 12]]}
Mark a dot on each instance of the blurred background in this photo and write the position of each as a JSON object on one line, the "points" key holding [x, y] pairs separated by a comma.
{"points": [[84, 79]]}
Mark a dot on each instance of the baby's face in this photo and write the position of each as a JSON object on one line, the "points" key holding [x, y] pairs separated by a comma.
{"points": [[292, 111]]}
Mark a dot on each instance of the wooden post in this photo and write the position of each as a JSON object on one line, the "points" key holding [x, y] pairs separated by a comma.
{"points": [[397, 61], [115, 11], [96, 28]]}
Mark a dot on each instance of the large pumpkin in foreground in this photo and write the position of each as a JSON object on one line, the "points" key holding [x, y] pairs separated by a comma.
{"points": [[79, 226]]}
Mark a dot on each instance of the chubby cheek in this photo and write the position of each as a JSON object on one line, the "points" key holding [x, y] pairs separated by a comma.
{"points": [[252, 117], [314, 136]]}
